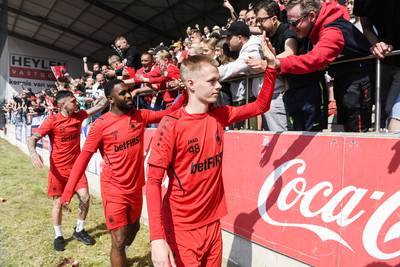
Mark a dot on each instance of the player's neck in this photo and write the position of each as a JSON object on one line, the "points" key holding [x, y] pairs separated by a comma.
{"points": [[195, 106], [65, 113], [116, 111]]}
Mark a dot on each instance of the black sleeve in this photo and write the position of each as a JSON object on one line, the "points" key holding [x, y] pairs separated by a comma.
{"points": [[132, 58]]}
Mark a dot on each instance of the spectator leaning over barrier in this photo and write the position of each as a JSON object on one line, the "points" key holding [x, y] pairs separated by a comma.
{"points": [[64, 131], [304, 93], [240, 40], [331, 36], [384, 16]]}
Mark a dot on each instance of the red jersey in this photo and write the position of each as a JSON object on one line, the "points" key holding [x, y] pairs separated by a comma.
{"points": [[120, 141], [190, 148], [156, 77], [65, 135]]}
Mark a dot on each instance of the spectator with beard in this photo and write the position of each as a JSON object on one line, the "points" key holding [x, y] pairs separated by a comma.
{"points": [[96, 68], [303, 93]]}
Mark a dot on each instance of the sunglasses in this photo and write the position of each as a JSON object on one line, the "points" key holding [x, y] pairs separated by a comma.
{"points": [[296, 22], [262, 20]]}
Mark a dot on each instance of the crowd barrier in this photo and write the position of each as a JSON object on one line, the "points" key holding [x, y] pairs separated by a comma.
{"points": [[298, 199], [377, 127]]}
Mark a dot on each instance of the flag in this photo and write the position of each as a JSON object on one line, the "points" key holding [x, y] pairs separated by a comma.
{"points": [[58, 71]]}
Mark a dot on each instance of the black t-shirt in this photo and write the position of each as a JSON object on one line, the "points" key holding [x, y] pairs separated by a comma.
{"points": [[132, 57], [281, 35], [384, 15]]}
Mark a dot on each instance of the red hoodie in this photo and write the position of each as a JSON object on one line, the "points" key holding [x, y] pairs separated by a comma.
{"points": [[328, 44]]}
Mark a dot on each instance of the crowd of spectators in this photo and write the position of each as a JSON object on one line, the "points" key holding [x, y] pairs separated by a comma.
{"points": [[308, 35]]}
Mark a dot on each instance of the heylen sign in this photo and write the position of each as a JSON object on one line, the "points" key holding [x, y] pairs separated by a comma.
{"points": [[32, 72]]}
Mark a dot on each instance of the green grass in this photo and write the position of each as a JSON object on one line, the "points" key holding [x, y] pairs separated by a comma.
{"points": [[26, 231]]}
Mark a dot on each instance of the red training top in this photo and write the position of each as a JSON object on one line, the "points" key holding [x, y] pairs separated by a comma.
{"points": [[120, 140], [190, 148], [65, 135]]}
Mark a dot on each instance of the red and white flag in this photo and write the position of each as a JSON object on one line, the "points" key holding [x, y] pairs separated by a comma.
{"points": [[58, 71]]}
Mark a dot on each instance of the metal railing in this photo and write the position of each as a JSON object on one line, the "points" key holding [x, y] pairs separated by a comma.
{"points": [[378, 73], [377, 128]]}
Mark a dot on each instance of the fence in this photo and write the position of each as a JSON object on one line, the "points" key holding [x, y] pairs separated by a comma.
{"points": [[377, 128]]}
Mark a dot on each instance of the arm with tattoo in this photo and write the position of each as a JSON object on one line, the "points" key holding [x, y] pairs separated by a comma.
{"points": [[100, 104], [36, 159]]}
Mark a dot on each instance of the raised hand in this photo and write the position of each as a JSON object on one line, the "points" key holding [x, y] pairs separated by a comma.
{"points": [[268, 50]]}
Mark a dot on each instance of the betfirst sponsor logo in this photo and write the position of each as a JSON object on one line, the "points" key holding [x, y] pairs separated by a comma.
{"points": [[343, 208]]}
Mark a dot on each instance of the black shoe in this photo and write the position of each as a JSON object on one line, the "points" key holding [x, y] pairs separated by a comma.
{"points": [[59, 243], [84, 237]]}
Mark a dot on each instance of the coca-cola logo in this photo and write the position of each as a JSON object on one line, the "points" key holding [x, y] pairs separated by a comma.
{"points": [[346, 200]]}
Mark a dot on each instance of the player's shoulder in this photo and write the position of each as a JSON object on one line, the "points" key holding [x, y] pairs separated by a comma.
{"points": [[102, 120], [171, 119]]}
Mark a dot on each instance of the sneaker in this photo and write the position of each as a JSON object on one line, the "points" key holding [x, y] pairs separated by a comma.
{"points": [[84, 237], [59, 243]]}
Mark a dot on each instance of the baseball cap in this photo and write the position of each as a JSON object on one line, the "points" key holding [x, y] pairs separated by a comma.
{"points": [[237, 28]]}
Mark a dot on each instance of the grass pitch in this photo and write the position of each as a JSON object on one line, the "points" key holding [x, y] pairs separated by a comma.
{"points": [[26, 231]]}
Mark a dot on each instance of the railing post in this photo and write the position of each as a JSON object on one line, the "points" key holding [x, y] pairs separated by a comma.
{"points": [[378, 96], [247, 123]]}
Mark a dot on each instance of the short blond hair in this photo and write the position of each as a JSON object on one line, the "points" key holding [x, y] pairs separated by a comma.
{"points": [[163, 55], [194, 64]]}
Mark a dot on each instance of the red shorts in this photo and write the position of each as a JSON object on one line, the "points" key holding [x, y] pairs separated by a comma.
{"points": [[57, 180], [198, 247], [124, 212]]}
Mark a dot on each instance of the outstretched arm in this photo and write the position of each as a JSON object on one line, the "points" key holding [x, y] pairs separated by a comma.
{"points": [[100, 104], [263, 101], [156, 116]]}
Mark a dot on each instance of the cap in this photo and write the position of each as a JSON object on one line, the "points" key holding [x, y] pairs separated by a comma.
{"points": [[237, 28]]}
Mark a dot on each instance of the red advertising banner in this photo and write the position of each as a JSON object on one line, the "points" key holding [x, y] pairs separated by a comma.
{"points": [[324, 200]]}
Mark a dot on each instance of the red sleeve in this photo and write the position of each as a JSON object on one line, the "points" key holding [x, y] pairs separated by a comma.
{"points": [[154, 202], [46, 127], [155, 75], [163, 143], [173, 73], [158, 79], [131, 72], [156, 116], [77, 171], [261, 105], [159, 160], [329, 46]]}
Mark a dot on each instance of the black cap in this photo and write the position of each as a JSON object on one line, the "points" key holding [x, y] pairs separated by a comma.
{"points": [[237, 28], [160, 48]]}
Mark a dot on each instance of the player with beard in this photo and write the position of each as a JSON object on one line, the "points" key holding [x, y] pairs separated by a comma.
{"points": [[118, 135]]}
